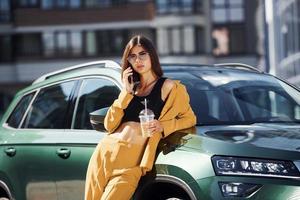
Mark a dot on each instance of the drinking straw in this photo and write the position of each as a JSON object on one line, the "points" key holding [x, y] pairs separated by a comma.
{"points": [[146, 106]]}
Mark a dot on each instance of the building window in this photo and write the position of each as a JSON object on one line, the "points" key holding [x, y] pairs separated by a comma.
{"points": [[91, 43], [174, 6], [228, 11], [28, 3], [111, 42], [97, 3], [228, 40], [28, 45], [91, 47], [119, 41], [49, 44], [220, 41], [5, 48], [162, 44], [289, 30], [199, 40], [120, 2], [47, 4], [75, 3], [183, 40], [178, 6], [103, 43], [5, 11], [187, 6], [189, 40], [176, 40], [237, 39], [228, 33], [62, 4], [161, 6], [62, 43], [76, 43]]}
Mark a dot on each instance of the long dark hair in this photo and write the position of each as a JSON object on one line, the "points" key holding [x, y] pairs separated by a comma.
{"points": [[148, 46]]}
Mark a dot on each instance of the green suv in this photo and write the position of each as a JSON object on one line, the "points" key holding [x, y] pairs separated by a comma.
{"points": [[246, 144]]}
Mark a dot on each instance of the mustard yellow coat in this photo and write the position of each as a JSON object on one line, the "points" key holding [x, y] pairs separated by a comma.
{"points": [[176, 114]]}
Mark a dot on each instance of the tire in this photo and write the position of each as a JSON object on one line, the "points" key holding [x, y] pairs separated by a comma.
{"points": [[175, 197], [162, 196]]}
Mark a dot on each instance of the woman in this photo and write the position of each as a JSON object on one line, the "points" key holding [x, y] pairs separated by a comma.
{"points": [[124, 155]]}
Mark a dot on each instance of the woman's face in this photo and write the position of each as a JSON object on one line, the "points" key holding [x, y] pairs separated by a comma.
{"points": [[140, 60]]}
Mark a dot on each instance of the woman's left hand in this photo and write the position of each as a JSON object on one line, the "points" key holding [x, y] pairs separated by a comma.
{"points": [[155, 126]]}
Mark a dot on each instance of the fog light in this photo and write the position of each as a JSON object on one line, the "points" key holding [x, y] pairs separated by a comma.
{"points": [[238, 166], [230, 189]]}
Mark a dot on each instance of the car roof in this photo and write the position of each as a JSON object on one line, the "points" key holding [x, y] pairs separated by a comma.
{"points": [[111, 68], [240, 66], [212, 68]]}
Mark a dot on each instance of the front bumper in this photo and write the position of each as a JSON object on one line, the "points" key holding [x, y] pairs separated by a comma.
{"points": [[270, 188]]}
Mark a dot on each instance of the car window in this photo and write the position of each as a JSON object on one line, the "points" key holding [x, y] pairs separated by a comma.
{"points": [[50, 107], [94, 94], [206, 101], [17, 114], [219, 97], [263, 103]]}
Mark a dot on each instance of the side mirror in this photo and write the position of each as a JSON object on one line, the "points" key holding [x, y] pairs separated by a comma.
{"points": [[97, 118]]}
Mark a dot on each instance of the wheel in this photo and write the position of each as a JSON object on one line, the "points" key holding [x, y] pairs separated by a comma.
{"points": [[161, 191]]}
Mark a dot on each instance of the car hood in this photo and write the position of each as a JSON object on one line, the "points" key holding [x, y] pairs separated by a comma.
{"points": [[275, 141], [274, 136]]}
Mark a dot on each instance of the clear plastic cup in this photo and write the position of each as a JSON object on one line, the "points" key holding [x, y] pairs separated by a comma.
{"points": [[146, 116]]}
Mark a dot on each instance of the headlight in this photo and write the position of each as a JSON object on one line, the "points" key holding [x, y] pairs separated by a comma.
{"points": [[224, 165], [231, 189]]}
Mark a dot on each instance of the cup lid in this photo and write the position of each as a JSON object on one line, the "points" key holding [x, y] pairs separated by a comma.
{"points": [[146, 112]]}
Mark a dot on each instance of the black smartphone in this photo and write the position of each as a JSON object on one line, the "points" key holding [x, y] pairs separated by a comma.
{"points": [[135, 77]]}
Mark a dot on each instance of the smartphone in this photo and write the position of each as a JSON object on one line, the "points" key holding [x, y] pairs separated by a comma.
{"points": [[135, 77]]}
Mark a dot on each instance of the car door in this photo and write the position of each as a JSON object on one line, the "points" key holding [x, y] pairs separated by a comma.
{"points": [[94, 93], [31, 148], [12, 156]]}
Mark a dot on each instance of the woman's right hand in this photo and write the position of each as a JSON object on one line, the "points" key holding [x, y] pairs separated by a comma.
{"points": [[127, 73]]}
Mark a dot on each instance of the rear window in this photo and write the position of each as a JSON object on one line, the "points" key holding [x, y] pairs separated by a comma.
{"points": [[16, 116]]}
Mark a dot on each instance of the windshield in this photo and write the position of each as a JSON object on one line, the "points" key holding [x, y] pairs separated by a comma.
{"points": [[231, 97]]}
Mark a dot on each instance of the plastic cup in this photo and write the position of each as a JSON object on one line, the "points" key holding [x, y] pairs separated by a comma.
{"points": [[145, 118]]}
